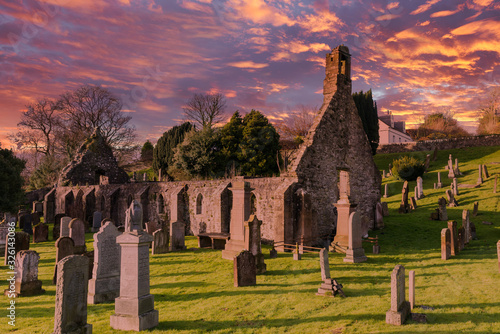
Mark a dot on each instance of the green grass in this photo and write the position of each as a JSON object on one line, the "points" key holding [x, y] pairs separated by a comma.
{"points": [[194, 290]]}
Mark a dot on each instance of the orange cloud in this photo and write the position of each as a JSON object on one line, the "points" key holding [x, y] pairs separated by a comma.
{"points": [[425, 7], [247, 64]]}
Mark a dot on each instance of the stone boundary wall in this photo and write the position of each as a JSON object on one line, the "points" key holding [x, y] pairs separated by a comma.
{"points": [[441, 144]]}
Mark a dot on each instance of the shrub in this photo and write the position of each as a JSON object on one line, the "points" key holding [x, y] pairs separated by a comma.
{"points": [[408, 168]]}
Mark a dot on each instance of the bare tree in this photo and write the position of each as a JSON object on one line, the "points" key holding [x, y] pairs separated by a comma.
{"points": [[297, 125], [205, 109], [489, 113]]}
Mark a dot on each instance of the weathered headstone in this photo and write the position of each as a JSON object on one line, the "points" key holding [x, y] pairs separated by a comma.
{"points": [[385, 209], [35, 218], [134, 308], [400, 308], [64, 247], [466, 225], [253, 242], [455, 187], [457, 171], [452, 202], [443, 213], [445, 244], [404, 207], [71, 296], [160, 241], [415, 193], [26, 221], [390, 169], [324, 264], [452, 226], [96, 221], [420, 188], [105, 283], [40, 233], [413, 203], [245, 273], [329, 286], [65, 226], [386, 192], [411, 296], [21, 242], [476, 209], [38, 207], [273, 253], [485, 172], [451, 172], [461, 238], [26, 269], [177, 236], [355, 252], [480, 178], [77, 233], [439, 184], [379, 215]]}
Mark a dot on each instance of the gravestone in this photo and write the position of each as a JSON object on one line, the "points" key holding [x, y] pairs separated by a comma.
{"points": [[476, 209], [385, 209], [400, 308], [451, 172], [355, 252], [26, 221], [21, 242], [495, 184], [452, 202], [445, 244], [40, 233], [4, 230], [413, 203], [145, 177], [134, 308], [273, 253], [244, 269], [420, 188], [96, 221], [151, 227], [386, 188], [455, 187], [427, 162], [329, 286], [37, 207], [64, 247], [411, 296], [56, 230], [344, 209], [26, 269], [473, 231], [160, 241], [379, 215], [485, 172], [457, 171], [390, 169], [443, 214], [415, 193], [404, 207], [65, 226], [324, 264], [480, 178], [253, 242], [461, 238], [177, 235], [439, 184], [383, 174], [71, 296], [466, 225], [498, 253], [35, 218], [452, 226], [77, 233], [105, 283]]}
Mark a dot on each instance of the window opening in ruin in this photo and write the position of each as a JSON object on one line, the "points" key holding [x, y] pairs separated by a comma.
{"points": [[161, 204], [199, 203]]}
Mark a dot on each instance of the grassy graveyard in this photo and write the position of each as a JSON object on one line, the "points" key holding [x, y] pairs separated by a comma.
{"points": [[194, 290]]}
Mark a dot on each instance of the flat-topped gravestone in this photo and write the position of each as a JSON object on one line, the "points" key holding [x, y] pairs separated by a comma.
{"points": [[400, 308], [21, 242], [65, 246], [445, 244], [77, 233], [105, 283], [96, 221], [244, 269], [160, 241], [452, 226], [71, 296], [26, 221], [439, 184], [26, 269], [355, 252], [329, 287], [65, 226], [177, 235], [40, 233]]}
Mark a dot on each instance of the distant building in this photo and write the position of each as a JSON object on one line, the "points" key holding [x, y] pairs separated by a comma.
{"points": [[391, 132]]}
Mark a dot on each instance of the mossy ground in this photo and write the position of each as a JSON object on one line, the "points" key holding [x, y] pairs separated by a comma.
{"points": [[194, 290]]}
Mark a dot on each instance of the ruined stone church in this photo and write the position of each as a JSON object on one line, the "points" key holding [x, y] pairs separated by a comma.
{"points": [[298, 206]]}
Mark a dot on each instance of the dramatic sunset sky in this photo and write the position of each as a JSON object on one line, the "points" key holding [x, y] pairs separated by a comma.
{"points": [[417, 56]]}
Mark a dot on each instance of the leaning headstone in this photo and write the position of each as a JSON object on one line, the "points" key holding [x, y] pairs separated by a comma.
{"points": [[134, 308], [245, 272], [452, 202], [485, 172], [439, 184], [21, 242], [445, 244], [455, 187], [96, 221], [420, 188], [480, 178], [160, 241], [64, 247], [26, 269], [452, 226], [355, 252], [77, 233], [65, 226], [329, 286], [404, 207], [26, 221], [177, 235], [253, 242], [386, 188], [461, 238], [466, 225], [411, 296], [71, 296], [40, 233], [443, 214], [476, 209], [105, 283], [400, 308], [385, 209]]}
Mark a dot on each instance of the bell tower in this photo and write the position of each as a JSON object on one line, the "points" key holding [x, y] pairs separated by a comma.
{"points": [[338, 72]]}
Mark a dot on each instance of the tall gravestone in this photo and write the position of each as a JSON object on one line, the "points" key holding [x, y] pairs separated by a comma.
{"points": [[498, 253], [244, 269], [177, 236], [457, 171], [26, 269], [480, 178], [400, 308], [452, 226], [71, 296], [40, 233], [344, 209], [452, 202], [451, 172], [443, 213], [386, 190], [77, 233], [56, 231], [466, 225], [329, 286], [439, 183], [65, 247], [4, 231], [134, 308], [21, 242], [379, 215], [355, 252], [455, 187], [160, 241], [253, 242], [420, 188], [240, 212], [96, 221], [105, 283], [404, 207], [485, 172], [65, 226], [411, 293], [26, 221], [445, 244]]}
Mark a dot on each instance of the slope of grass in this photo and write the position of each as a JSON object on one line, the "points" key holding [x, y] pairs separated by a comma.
{"points": [[194, 290]]}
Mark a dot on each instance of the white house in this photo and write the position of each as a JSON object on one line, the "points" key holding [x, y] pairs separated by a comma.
{"points": [[391, 132]]}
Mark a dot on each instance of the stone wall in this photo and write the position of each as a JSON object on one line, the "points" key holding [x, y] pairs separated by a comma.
{"points": [[441, 144]]}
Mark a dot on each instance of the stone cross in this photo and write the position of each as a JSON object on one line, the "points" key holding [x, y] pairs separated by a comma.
{"points": [[324, 264], [64, 247], [77, 233], [403, 208], [412, 289], [443, 214], [26, 269], [480, 178], [420, 188], [40, 233], [452, 226], [445, 244], [21, 242], [65, 226], [439, 184], [105, 283], [134, 308], [177, 235], [244, 269], [71, 296], [476, 209], [253, 242], [454, 187], [400, 308], [355, 252], [386, 188], [133, 217], [96, 221], [466, 225], [485, 172], [160, 241]]}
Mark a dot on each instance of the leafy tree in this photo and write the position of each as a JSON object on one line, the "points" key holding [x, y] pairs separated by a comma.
{"points": [[205, 109], [231, 137], [45, 175], [11, 182], [163, 152], [147, 151], [489, 122], [367, 110], [440, 125]]}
